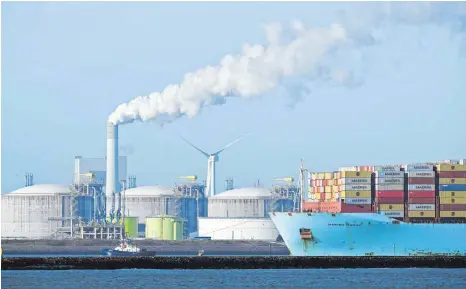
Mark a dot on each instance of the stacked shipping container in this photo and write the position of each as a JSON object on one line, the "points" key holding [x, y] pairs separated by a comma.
{"points": [[421, 191], [452, 190], [320, 187], [354, 189], [389, 191]]}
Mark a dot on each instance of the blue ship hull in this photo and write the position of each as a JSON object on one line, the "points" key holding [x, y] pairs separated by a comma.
{"points": [[362, 234]]}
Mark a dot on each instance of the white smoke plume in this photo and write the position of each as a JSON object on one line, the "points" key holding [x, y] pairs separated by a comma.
{"points": [[292, 51]]}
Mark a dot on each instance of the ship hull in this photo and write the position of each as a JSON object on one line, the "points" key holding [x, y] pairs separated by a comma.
{"points": [[362, 234]]}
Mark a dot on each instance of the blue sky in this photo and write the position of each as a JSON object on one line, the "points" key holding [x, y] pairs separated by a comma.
{"points": [[67, 66]]}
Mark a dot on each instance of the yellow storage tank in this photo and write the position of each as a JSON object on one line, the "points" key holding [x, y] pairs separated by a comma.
{"points": [[452, 214], [451, 168], [154, 228], [454, 194], [354, 174], [460, 201], [421, 214], [450, 181], [168, 228], [392, 207], [131, 227], [355, 194], [178, 229]]}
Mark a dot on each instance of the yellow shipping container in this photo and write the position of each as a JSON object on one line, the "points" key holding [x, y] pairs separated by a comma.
{"points": [[310, 189], [334, 189], [355, 194], [449, 181], [353, 174], [452, 214], [447, 201], [336, 175], [328, 189], [328, 176], [328, 196], [450, 194], [421, 214], [392, 207], [451, 168]]}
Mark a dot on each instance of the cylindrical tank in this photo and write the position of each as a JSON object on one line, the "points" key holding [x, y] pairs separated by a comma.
{"points": [[167, 228], [131, 227], [178, 229], [154, 228]]}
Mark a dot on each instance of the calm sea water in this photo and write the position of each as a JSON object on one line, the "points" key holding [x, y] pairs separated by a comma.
{"points": [[293, 278]]}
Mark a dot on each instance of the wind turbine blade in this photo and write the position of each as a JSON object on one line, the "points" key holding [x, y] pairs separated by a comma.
{"points": [[201, 151], [232, 143]]}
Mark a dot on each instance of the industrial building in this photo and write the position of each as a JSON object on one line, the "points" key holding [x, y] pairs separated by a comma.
{"points": [[244, 214]]}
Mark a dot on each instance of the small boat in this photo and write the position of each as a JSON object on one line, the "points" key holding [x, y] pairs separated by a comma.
{"points": [[126, 248]]}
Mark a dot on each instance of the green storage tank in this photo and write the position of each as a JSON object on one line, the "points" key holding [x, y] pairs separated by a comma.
{"points": [[131, 227], [178, 229], [154, 228], [168, 228]]}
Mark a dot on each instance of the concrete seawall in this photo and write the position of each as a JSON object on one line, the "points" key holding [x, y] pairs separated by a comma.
{"points": [[67, 263]]}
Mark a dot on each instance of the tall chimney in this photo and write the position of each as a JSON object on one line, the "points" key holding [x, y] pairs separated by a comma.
{"points": [[112, 183]]}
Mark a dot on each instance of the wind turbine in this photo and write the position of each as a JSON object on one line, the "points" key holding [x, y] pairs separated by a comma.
{"points": [[211, 160]]}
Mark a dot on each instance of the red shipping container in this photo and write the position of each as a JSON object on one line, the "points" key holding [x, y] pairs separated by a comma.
{"points": [[347, 208], [421, 181], [322, 196], [453, 207], [421, 194], [452, 174], [390, 200], [390, 194], [421, 201]]}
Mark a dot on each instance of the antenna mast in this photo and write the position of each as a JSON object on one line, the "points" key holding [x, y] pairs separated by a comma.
{"points": [[302, 183]]}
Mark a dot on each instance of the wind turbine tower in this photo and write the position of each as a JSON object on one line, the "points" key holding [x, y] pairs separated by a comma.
{"points": [[211, 160]]}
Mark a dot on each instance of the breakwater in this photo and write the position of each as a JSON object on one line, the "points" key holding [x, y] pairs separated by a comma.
{"points": [[67, 263]]}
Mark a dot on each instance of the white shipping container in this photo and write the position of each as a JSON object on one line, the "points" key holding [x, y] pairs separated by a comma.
{"points": [[384, 187], [355, 187], [355, 181], [420, 167], [421, 174], [421, 207], [387, 168], [358, 201], [462, 161], [393, 214], [390, 181], [389, 174], [421, 187]]}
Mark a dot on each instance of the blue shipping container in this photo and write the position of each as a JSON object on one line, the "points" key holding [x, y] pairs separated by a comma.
{"points": [[454, 187]]}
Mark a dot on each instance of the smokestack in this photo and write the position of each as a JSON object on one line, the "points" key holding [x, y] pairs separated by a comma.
{"points": [[112, 183]]}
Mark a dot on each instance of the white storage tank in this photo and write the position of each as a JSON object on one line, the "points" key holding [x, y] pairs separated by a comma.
{"points": [[240, 203], [26, 211]]}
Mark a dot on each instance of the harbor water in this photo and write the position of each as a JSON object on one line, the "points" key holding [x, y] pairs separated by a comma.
{"points": [[290, 278]]}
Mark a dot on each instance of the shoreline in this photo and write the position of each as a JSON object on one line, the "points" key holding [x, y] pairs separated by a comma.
{"points": [[187, 247]]}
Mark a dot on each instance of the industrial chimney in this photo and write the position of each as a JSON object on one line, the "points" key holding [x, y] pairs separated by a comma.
{"points": [[112, 184]]}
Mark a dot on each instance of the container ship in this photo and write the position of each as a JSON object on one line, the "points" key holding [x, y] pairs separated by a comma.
{"points": [[399, 210]]}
